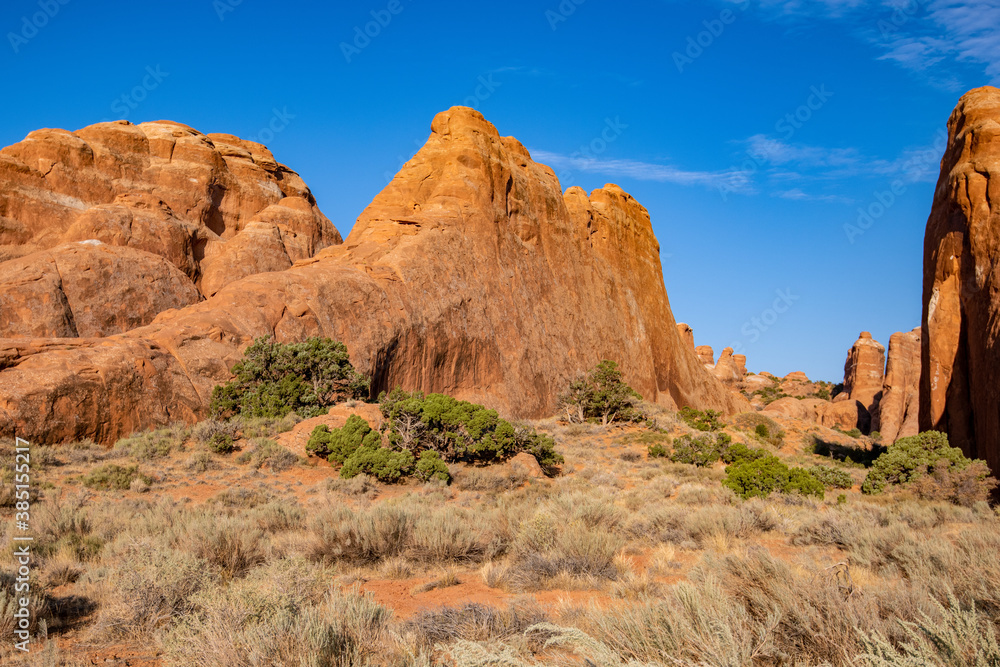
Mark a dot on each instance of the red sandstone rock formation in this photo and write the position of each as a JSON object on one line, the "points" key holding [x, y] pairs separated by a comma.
{"points": [[470, 274], [706, 354], [898, 411], [960, 355], [160, 187], [87, 289], [741, 363], [687, 334], [864, 371], [726, 369]]}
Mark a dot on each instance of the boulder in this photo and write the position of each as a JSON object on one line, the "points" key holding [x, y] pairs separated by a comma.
{"points": [[796, 376], [470, 274], [706, 354], [898, 411], [88, 289]]}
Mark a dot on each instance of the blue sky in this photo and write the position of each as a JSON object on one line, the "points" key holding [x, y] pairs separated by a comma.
{"points": [[756, 132]]}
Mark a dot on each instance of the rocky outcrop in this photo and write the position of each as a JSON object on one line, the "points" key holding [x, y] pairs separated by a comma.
{"points": [[470, 274], [87, 289], [161, 187], [796, 376], [864, 371], [727, 370], [706, 354], [898, 410], [960, 344], [741, 363], [687, 334]]}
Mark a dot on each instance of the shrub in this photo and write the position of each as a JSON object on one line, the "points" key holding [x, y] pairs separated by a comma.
{"points": [[274, 379], [912, 458], [762, 431], [114, 476], [658, 451], [763, 476], [700, 451], [459, 430], [961, 486], [338, 445], [386, 465], [266, 453], [740, 453], [703, 421], [832, 477], [771, 433], [219, 436], [430, 466], [601, 395], [153, 444]]}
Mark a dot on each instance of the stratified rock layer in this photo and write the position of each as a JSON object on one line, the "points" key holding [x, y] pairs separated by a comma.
{"points": [[470, 274], [960, 346], [898, 411]]}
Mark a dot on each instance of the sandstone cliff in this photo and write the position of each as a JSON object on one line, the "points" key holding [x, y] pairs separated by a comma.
{"points": [[470, 274], [960, 344]]}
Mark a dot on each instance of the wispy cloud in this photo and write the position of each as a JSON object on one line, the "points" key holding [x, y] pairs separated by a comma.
{"points": [[796, 194], [736, 181], [928, 37]]}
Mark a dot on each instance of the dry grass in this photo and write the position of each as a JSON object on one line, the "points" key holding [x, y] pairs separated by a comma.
{"points": [[665, 565]]}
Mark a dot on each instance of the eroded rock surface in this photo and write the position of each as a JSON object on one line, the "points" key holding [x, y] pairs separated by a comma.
{"points": [[898, 414], [960, 344], [471, 274]]}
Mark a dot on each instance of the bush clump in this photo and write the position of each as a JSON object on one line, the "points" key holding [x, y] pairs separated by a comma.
{"points": [[386, 465], [832, 477], [740, 453], [658, 451], [274, 379], [929, 454], [114, 476], [700, 451], [459, 430], [339, 444], [761, 477], [707, 420], [431, 467], [601, 395]]}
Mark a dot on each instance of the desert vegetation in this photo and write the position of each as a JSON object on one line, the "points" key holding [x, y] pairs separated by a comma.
{"points": [[661, 542]]}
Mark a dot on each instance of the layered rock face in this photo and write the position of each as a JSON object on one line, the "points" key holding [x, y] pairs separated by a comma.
{"points": [[898, 411], [706, 354], [470, 274], [161, 188], [960, 345]]}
